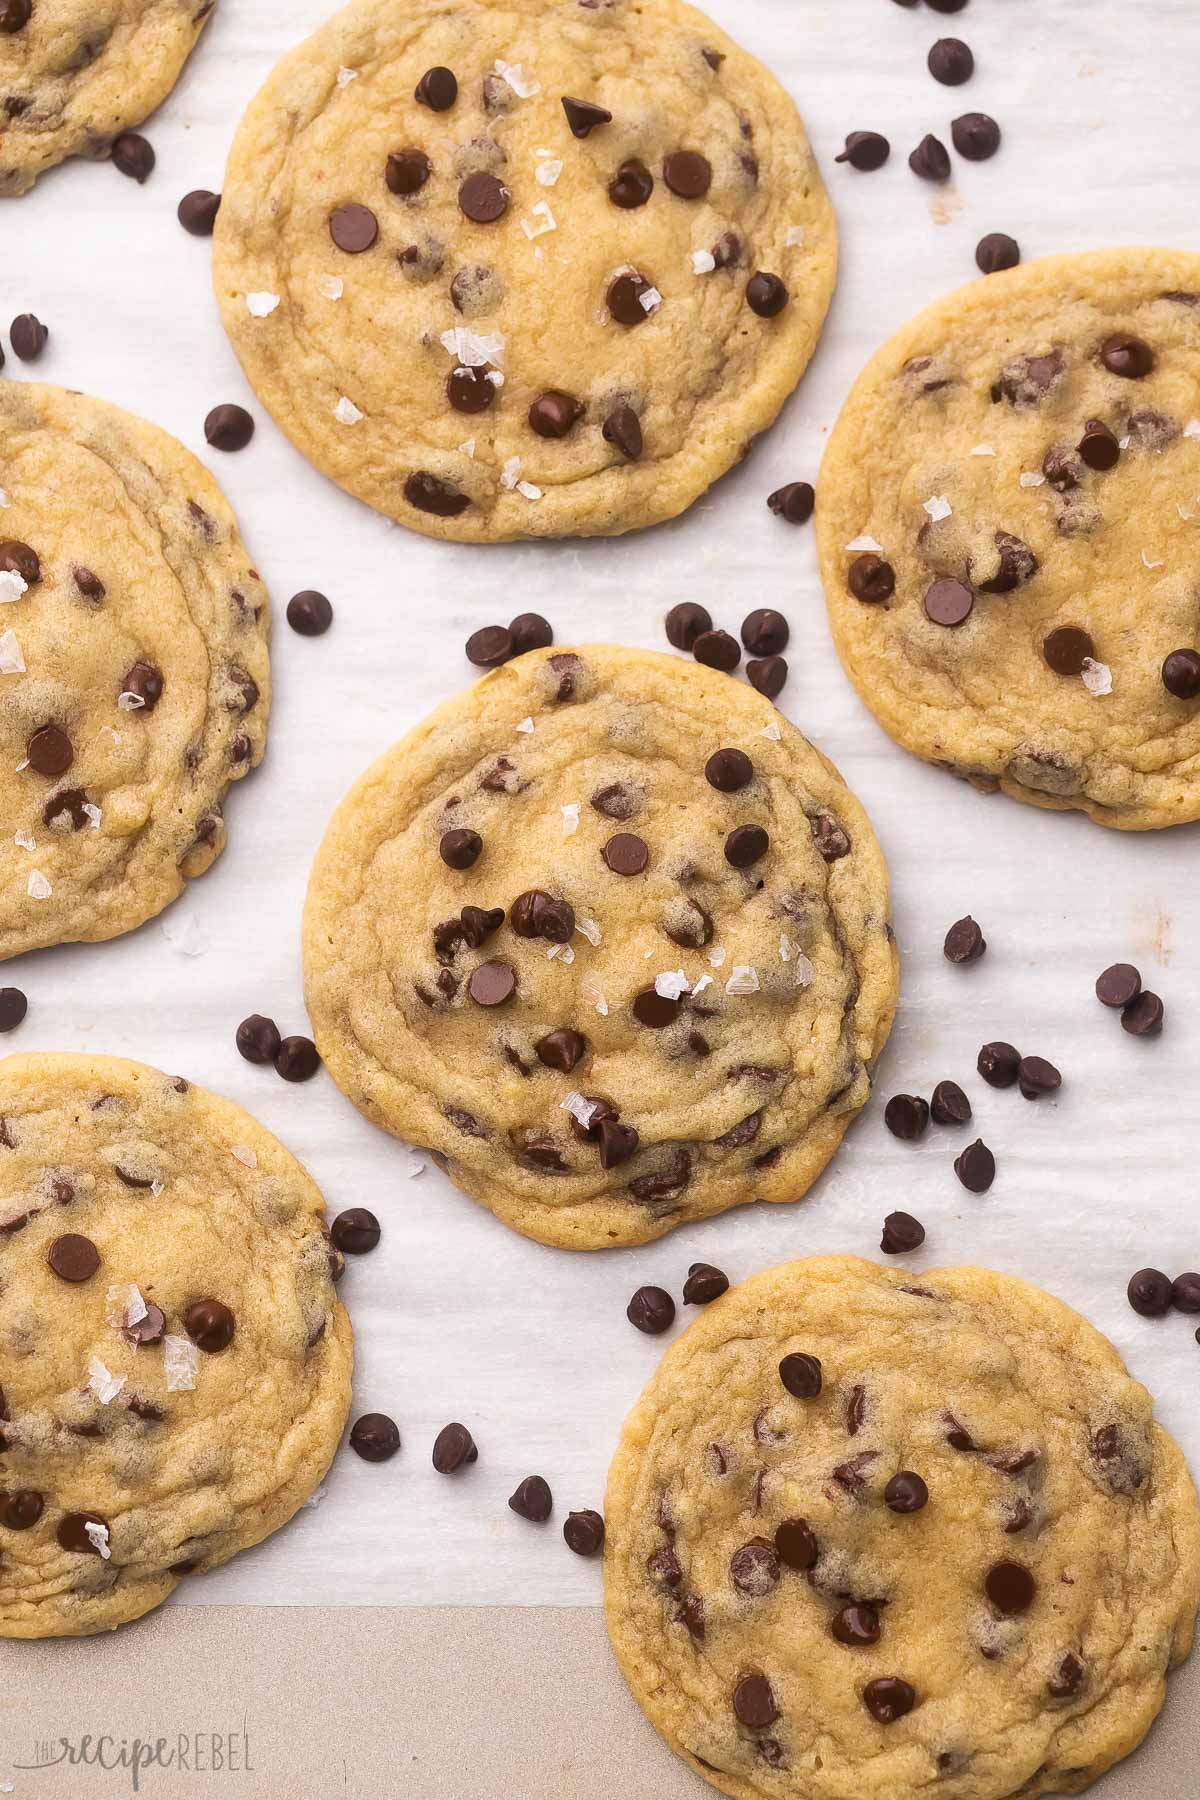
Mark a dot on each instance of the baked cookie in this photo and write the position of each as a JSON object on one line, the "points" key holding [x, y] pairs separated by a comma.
{"points": [[176, 1364], [611, 939], [870, 1534], [75, 74], [134, 678], [1007, 521], [523, 268]]}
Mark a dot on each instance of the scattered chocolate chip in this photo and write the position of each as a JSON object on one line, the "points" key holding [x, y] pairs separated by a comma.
{"points": [[766, 295], [623, 429], [1130, 357], [210, 1324], [258, 1039], [13, 1007], [626, 854], [532, 1499], [1098, 447], [999, 1064], [746, 845], [930, 160], [705, 1283], [1118, 985], [794, 502], [652, 1310], [976, 1167], [906, 1492], [949, 602], [965, 942], [133, 155], [431, 495], [768, 674], [1185, 1293], [460, 849], [490, 646], [801, 1375], [1149, 1293], [452, 1448], [728, 771], [950, 61], [717, 650], [906, 1116], [73, 1258], [492, 983], [902, 1234], [996, 251], [197, 212], [583, 1532], [944, 6], [407, 171], [529, 631], [685, 623], [228, 428], [949, 1105], [89, 585], [976, 136], [375, 1437], [355, 1231], [1181, 674], [888, 1699], [856, 1626], [865, 150], [553, 413], [28, 336], [437, 89], [871, 579], [687, 174], [1143, 1017], [72, 1532], [754, 1702], [795, 1544], [631, 186], [584, 115], [1036, 1076], [297, 1059], [309, 613], [1010, 1588], [765, 632]]}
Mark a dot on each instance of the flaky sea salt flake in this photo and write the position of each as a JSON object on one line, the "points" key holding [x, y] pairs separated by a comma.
{"points": [[12, 586], [581, 1110], [717, 957], [528, 490], [261, 305], [703, 262], [129, 702], [346, 76], [1096, 677], [564, 951], [649, 299], [1031, 478], [771, 731], [1192, 428], [468, 448], [1152, 563], [522, 85], [672, 984], [546, 221], [91, 811], [525, 726], [589, 929], [549, 171], [510, 474], [705, 981], [181, 1359], [865, 543], [345, 412], [473, 349], [744, 980], [331, 286], [804, 971], [570, 818], [244, 1155], [795, 237], [124, 1306], [938, 507], [97, 1536], [102, 1382], [182, 931], [983, 450], [11, 660], [37, 887], [25, 840]]}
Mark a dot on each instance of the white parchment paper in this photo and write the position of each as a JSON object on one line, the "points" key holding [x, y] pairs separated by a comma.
{"points": [[456, 1317]]}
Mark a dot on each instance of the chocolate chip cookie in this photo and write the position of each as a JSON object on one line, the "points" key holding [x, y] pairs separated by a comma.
{"points": [[75, 74], [176, 1365], [134, 677], [611, 939], [1008, 515], [523, 268], [875, 1534]]}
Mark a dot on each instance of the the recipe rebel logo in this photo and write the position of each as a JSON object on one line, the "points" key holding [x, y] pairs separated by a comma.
{"points": [[202, 1753]]}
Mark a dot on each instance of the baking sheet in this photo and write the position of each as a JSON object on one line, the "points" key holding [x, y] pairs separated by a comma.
{"points": [[456, 1317]]}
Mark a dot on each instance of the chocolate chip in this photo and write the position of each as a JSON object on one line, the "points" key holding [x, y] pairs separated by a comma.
{"points": [[228, 428], [906, 1116], [437, 89], [561, 1049], [754, 1568], [631, 186], [483, 198], [1181, 674], [728, 771], [1118, 985], [870, 579], [145, 682], [309, 613], [623, 429], [490, 646], [829, 837], [197, 212], [532, 1499], [766, 295], [1067, 1678], [1063, 468], [529, 631], [888, 1698], [930, 160], [1098, 447], [906, 1492], [729, 251], [856, 1626], [210, 1324], [375, 1437], [626, 854], [687, 174], [902, 1234], [794, 502], [768, 674], [28, 336], [460, 849], [801, 1375], [1067, 649], [89, 585], [535, 914], [584, 115], [1185, 1293], [949, 602], [976, 136], [553, 413], [1122, 354], [944, 6], [149, 1328], [49, 751], [685, 623], [407, 171], [20, 1510], [258, 1039], [583, 1532], [1149, 1293], [469, 390], [865, 150], [492, 983], [452, 1448], [996, 251], [976, 1167], [717, 650], [652, 1310], [754, 1702], [705, 1283], [355, 1231], [617, 1142], [765, 632], [133, 155], [624, 299], [73, 1258], [1143, 1017], [13, 1007], [999, 1064], [1010, 1588], [949, 1105], [746, 845], [965, 942], [795, 1544], [665, 1567], [72, 1532], [297, 1059], [15, 14], [950, 61], [1036, 1076]]}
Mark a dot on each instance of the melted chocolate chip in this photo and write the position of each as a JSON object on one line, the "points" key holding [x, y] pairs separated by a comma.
{"points": [[796, 1544], [687, 174], [437, 89], [906, 1492], [407, 171], [870, 579], [631, 186], [623, 429], [469, 390], [210, 1324], [1127, 356], [73, 1258], [766, 295], [492, 983], [754, 1702], [353, 228], [583, 116], [801, 1375], [888, 1698], [553, 413], [429, 494], [1010, 1588]]}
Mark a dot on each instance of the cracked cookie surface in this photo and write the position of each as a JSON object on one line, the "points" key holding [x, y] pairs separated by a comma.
{"points": [[878, 1534], [74, 74], [491, 310], [608, 936], [134, 672], [175, 1363], [1009, 529]]}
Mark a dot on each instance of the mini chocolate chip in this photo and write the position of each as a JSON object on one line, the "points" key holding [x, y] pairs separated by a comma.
{"points": [[949, 602], [950, 61], [1036, 1076], [22, 1509], [529, 631], [535, 914], [309, 613], [856, 1626], [652, 1310], [460, 849], [1125, 355], [705, 1283], [801, 1375], [553, 413], [452, 1448], [431, 495], [532, 1499], [746, 845], [1149, 1293], [976, 136], [768, 674], [765, 632], [687, 174], [355, 1231], [796, 1544], [930, 160], [949, 1105], [623, 429], [999, 1064], [976, 1167], [228, 428], [870, 579], [13, 1007], [490, 646], [794, 502], [685, 623], [1143, 1017], [375, 1437], [407, 171], [1118, 985], [717, 650], [728, 770], [906, 1492], [766, 295], [631, 186], [906, 1116], [49, 751], [145, 682], [258, 1039], [28, 336], [583, 1532], [561, 1049], [1098, 447], [1010, 1588], [865, 150], [624, 299], [297, 1059], [754, 1702], [1185, 1293], [133, 155], [73, 1258], [437, 89], [584, 115], [210, 1324], [1067, 648], [1181, 674], [965, 942], [996, 251], [888, 1698], [72, 1532], [626, 854], [197, 212], [902, 1234]]}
